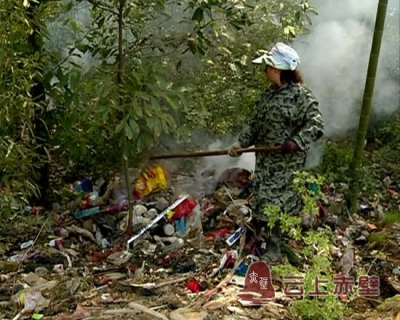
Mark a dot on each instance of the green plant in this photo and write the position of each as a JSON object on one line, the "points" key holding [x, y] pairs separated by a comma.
{"points": [[391, 217], [21, 114], [335, 161], [316, 254]]}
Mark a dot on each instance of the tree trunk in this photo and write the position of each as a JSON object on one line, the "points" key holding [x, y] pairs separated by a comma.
{"points": [[120, 61], [39, 97], [366, 106]]}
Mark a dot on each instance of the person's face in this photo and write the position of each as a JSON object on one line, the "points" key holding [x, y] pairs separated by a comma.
{"points": [[273, 75]]}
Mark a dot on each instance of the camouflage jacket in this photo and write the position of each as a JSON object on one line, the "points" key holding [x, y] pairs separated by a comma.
{"points": [[289, 112]]}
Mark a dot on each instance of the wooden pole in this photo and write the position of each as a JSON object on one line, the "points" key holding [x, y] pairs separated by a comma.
{"points": [[199, 154]]}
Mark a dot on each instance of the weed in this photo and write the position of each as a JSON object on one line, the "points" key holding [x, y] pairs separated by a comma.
{"points": [[391, 218], [316, 253], [378, 237]]}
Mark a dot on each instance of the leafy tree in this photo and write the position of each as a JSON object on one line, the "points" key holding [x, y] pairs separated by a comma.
{"points": [[155, 69]]}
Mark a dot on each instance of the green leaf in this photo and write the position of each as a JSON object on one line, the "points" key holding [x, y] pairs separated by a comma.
{"points": [[297, 17], [169, 120], [209, 13], [82, 47], [286, 31], [128, 132], [120, 126], [100, 23], [74, 79], [135, 127], [143, 95], [60, 75], [139, 112], [172, 102], [37, 316], [157, 127], [150, 123], [69, 6], [198, 15], [127, 11], [164, 126], [155, 105], [145, 141], [74, 25]]}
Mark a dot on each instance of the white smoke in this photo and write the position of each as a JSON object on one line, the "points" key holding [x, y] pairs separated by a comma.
{"points": [[335, 57]]}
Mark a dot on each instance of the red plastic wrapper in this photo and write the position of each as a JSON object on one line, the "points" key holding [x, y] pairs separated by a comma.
{"points": [[230, 260], [194, 286], [184, 209], [223, 233]]}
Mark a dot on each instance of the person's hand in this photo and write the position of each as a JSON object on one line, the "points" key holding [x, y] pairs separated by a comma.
{"points": [[289, 146], [233, 151]]}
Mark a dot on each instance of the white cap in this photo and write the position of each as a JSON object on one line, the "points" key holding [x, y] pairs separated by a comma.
{"points": [[281, 57]]}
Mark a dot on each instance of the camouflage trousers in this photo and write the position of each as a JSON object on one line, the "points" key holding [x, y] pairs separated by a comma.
{"points": [[277, 193]]}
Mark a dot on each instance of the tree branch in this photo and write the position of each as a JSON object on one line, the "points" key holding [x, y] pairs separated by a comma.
{"points": [[102, 6]]}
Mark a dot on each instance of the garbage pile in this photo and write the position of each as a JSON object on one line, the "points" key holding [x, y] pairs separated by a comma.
{"points": [[82, 262]]}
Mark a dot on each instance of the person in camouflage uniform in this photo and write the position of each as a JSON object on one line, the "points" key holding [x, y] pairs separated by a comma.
{"points": [[287, 115]]}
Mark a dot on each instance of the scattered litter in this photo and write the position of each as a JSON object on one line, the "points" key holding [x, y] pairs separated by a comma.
{"points": [[183, 252]]}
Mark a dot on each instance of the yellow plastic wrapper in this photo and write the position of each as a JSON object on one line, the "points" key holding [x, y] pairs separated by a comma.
{"points": [[153, 179]]}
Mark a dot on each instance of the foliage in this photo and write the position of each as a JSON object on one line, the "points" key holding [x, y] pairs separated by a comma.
{"points": [[388, 136], [336, 160], [335, 166], [20, 68], [316, 252]]}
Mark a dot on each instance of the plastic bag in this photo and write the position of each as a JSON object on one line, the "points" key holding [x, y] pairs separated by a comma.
{"points": [[151, 180]]}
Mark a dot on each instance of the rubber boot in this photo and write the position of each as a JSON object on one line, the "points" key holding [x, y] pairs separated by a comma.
{"points": [[273, 246]]}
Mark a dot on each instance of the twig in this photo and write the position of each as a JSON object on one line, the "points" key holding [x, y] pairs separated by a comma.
{"points": [[159, 307], [373, 300], [17, 316], [152, 286], [103, 7], [166, 283]]}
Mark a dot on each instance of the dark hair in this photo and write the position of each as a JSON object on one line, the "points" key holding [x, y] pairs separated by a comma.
{"points": [[289, 76]]}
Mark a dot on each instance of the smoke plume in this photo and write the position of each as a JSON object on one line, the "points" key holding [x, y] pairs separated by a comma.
{"points": [[335, 58]]}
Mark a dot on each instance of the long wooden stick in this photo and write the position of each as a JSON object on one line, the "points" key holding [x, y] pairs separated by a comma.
{"points": [[198, 154]]}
